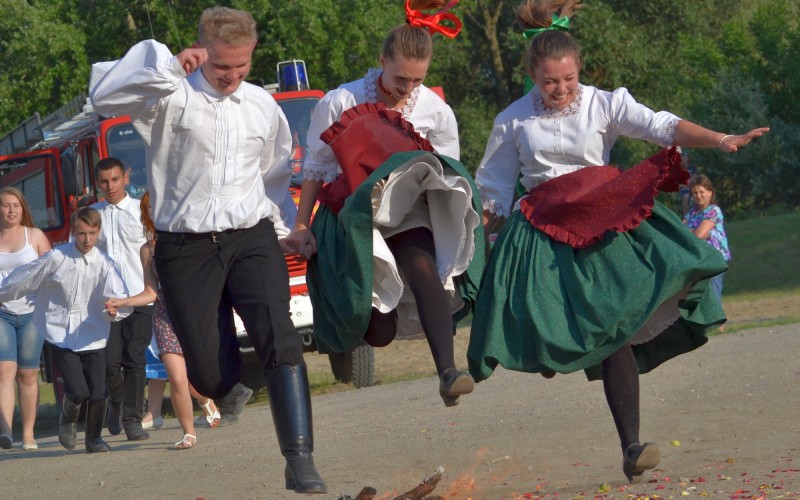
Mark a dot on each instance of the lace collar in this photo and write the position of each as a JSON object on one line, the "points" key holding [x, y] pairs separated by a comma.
{"points": [[371, 89], [542, 111]]}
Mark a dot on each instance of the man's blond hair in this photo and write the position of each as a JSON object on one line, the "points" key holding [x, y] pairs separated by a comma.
{"points": [[230, 26]]}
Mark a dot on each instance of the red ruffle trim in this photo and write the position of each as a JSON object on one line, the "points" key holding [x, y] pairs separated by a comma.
{"points": [[580, 207], [365, 137]]}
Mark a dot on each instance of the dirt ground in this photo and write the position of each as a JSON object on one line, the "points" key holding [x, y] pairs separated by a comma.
{"points": [[725, 417]]}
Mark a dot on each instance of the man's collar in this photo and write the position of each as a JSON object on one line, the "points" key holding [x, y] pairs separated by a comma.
{"points": [[123, 203], [200, 83]]}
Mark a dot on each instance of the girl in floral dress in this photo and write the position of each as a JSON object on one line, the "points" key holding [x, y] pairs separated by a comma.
{"points": [[705, 219], [180, 390]]}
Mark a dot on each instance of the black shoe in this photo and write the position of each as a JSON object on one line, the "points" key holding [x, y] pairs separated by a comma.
{"points": [[233, 404], [68, 422], [97, 445], [133, 406], [134, 431], [290, 403], [639, 458], [114, 419], [95, 413], [452, 384]]}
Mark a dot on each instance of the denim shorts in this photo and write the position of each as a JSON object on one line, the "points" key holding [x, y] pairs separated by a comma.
{"points": [[19, 340]]}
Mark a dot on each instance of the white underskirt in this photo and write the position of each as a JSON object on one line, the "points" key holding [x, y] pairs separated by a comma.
{"points": [[420, 193]]}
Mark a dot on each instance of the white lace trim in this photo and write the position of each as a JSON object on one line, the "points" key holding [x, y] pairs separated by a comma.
{"points": [[371, 89], [542, 111], [669, 133], [317, 175]]}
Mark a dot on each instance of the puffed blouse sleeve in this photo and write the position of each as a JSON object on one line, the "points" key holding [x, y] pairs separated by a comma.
{"points": [[637, 121], [445, 138], [497, 174], [321, 165]]}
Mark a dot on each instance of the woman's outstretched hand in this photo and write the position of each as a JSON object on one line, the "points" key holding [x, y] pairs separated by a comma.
{"points": [[732, 143]]}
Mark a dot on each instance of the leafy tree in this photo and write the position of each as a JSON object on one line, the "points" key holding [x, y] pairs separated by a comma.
{"points": [[43, 60]]}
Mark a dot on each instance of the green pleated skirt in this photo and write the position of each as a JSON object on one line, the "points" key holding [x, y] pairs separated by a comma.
{"points": [[340, 275], [544, 306]]}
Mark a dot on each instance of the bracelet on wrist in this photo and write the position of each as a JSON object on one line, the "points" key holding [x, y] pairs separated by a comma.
{"points": [[723, 138]]}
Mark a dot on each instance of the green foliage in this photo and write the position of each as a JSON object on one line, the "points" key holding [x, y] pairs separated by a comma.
{"points": [[44, 61], [730, 65]]}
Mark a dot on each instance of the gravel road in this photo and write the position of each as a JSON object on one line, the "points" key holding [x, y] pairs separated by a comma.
{"points": [[725, 416]]}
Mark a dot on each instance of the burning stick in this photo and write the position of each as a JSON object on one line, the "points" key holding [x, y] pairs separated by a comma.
{"points": [[421, 492], [424, 488]]}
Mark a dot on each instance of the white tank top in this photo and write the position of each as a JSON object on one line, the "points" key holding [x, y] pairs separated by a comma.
{"points": [[11, 261]]}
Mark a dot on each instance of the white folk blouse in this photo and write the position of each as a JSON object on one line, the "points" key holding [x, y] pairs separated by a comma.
{"points": [[215, 162], [72, 289], [432, 118], [534, 143]]}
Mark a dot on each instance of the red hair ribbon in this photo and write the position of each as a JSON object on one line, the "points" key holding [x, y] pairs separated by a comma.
{"points": [[432, 22]]}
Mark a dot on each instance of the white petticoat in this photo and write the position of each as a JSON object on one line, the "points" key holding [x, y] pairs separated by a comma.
{"points": [[421, 193]]}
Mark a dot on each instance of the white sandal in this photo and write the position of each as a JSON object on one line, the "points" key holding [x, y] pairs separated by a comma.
{"points": [[213, 418], [187, 442]]}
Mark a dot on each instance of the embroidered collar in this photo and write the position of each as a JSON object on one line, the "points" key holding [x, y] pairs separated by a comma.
{"points": [[542, 111], [371, 89]]}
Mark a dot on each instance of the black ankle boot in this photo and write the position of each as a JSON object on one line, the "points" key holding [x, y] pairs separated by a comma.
{"points": [[290, 402], [95, 413], [452, 384], [133, 406], [638, 458], [68, 422]]}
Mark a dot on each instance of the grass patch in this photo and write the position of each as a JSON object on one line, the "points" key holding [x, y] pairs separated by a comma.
{"points": [[735, 327], [762, 295], [765, 252]]}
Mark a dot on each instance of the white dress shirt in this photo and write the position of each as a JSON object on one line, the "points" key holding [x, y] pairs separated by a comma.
{"points": [[122, 237], [72, 289], [432, 118], [541, 143], [216, 161]]}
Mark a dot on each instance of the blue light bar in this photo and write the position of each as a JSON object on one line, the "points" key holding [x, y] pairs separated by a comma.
{"points": [[292, 75]]}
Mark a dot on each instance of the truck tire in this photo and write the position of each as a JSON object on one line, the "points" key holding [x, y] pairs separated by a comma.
{"points": [[356, 366]]}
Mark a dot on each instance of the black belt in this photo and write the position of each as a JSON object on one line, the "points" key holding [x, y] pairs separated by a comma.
{"points": [[212, 236]]}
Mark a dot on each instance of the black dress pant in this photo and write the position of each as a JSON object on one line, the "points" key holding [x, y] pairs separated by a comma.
{"points": [[128, 341], [84, 373], [200, 273]]}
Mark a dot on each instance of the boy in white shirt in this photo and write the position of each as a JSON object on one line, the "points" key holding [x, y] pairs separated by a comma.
{"points": [[72, 283]]}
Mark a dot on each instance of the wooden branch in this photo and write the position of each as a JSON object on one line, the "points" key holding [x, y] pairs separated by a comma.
{"points": [[421, 492], [424, 488]]}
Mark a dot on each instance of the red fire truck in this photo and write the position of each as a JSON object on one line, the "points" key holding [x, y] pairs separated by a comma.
{"points": [[52, 160]]}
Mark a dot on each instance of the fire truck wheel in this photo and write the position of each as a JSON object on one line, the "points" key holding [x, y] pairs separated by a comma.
{"points": [[356, 366]]}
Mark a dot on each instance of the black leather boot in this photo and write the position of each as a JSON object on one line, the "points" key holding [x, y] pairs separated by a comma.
{"points": [[68, 422], [133, 405], [290, 402], [114, 419], [95, 413]]}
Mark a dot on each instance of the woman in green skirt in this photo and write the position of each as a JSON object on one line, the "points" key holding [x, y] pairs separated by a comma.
{"points": [[391, 247], [589, 272]]}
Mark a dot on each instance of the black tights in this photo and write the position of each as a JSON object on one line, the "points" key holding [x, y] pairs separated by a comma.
{"points": [[415, 254], [621, 385]]}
